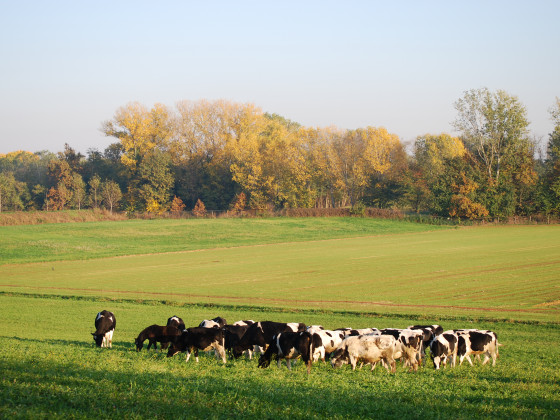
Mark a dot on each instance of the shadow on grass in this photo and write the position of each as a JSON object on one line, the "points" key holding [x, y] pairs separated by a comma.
{"points": [[171, 388]]}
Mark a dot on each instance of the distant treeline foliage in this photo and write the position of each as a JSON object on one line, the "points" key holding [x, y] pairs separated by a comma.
{"points": [[219, 155]]}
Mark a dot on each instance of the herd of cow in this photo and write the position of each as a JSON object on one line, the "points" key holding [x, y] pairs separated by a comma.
{"points": [[311, 343]]}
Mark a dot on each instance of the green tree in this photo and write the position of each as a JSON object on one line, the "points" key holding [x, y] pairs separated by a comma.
{"points": [[13, 193], [111, 193], [492, 125], [94, 189], [155, 178]]}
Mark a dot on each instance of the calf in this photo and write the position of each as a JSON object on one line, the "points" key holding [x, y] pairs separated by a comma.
{"points": [[368, 349], [290, 345], [444, 346], [261, 333], [199, 338], [410, 345], [105, 323], [217, 322], [155, 333], [176, 322], [477, 343]]}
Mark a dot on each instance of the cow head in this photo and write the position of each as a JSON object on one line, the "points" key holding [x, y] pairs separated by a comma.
{"points": [[339, 357], [139, 344], [98, 338]]}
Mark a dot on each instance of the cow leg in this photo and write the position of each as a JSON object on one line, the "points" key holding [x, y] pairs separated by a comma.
{"points": [[196, 355], [289, 364], [221, 352], [188, 355], [486, 358]]}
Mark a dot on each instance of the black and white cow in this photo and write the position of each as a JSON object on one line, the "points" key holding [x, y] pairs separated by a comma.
{"points": [[477, 343], [290, 345], [444, 347], [176, 322], [367, 349], [260, 334], [430, 333], [329, 342], [217, 322], [105, 323], [199, 338], [348, 332], [411, 345]]}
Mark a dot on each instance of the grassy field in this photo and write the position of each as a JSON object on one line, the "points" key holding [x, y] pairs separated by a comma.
{"points": [[334, 272], [50, 369], [393, 267]]}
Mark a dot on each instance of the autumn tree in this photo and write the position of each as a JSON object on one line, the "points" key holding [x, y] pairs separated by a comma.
{"points": [[140, 130], [199, 209], [239, 203], [177, 206]]}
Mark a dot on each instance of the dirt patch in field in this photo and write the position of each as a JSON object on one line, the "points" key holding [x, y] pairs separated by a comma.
{"points": [[292, 302]]}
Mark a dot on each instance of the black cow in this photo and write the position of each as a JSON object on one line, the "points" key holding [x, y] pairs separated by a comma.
{"points": [[291, 345], [232, 336], [176, 322], [155, 333], [199, 338], [105, 323], [261, 333]]}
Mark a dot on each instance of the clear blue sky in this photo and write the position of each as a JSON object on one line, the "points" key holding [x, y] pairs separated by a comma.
{"points": [[66, 66]]}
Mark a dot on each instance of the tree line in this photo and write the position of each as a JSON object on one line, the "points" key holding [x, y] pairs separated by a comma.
{"points": [[221, 155]]}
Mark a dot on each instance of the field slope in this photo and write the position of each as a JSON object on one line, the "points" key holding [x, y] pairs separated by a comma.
{"points": [[498, 272]]}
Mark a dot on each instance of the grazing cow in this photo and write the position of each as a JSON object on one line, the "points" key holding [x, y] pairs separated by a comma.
{"points": [[176, 322], [290, 345], [199, 338], [105, 323], [155, 333], [330, 340], [411, 345], [368, 349], [232, 335], [477, 343], [430, 333], [261, 333], [217, 322], [444, 346]]}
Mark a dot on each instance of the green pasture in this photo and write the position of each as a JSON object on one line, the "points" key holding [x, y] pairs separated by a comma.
{"points": [[50, 369], [336, 272], [79, 241], [352, 264]]}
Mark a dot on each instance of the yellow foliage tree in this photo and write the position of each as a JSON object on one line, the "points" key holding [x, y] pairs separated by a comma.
{"points": [[139, 130]]}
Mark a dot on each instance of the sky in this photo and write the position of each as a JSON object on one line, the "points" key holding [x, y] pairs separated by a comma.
{"points": [[67, 66]]}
